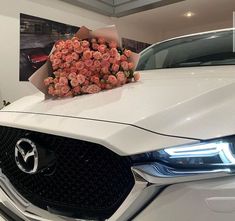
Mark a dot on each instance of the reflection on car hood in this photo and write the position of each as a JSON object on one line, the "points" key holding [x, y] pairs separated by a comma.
{"points": [[189, 102]]}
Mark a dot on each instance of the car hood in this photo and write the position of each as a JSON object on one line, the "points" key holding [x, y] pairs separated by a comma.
{"points": [[197, 103]]}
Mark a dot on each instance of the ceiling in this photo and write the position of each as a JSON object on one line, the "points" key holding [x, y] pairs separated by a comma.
{"points": [[119, 8]]}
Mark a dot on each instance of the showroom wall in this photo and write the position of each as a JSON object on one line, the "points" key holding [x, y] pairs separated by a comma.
{"points": [[10, 87]]}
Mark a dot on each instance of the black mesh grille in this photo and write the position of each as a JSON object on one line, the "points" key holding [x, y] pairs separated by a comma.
{"points": [[88, 181]]}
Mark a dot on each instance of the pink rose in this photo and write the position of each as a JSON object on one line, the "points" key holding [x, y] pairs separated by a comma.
{"points": [[76, 44], [74, 82], [85, 44], [68, 42], [84, 89], [84, 72], [108, 86], [93, 40], [75, 56], [97, 63], [56, 62], [81, 78], [88, 62], [73, 69], [69, 58], [79, 65], [72, 75], [124, 65], [101, 40], [58, 55], [87, 54], [105, 64], [95, 46], [63, 81], [118, 57], [113, 52], [137, 76], [51, 91], [48, 81], [106, 56], [102, 48], [112, 80], [97, 55], [65, 51], [78, 50], [121, 77], [123, 57], [65, 89], [69, 94], [95, 79], [115, 67], [66, 65], [93, 88], [77, 90], [113, 44], [127, 52], [105, 70], [130, 65]]}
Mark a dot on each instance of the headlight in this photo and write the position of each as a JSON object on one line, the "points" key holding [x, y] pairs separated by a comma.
{"points": [[207, 158]]}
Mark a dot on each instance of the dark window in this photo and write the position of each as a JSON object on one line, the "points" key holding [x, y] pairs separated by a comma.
{"points": [[201, 50]]}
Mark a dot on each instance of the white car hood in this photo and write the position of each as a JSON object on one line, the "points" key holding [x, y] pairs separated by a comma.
{"points": [[196, 103]]}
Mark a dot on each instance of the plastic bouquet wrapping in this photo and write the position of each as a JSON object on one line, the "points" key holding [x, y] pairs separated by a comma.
{"points": [[89, 62]]}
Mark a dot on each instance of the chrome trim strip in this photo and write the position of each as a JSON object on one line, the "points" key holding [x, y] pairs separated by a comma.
{"points": [[160, 175]]}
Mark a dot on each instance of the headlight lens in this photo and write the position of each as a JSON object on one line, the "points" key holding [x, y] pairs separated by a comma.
{"points": [[210, 154]]}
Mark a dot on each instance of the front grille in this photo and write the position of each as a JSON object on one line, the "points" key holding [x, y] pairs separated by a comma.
{"points": [[88, 181]]}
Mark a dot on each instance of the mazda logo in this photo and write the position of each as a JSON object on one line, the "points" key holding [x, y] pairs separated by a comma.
{"points": [[26, 156]]}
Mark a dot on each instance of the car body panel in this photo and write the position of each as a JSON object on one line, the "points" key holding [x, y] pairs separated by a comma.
{"points": [[171, 102]]}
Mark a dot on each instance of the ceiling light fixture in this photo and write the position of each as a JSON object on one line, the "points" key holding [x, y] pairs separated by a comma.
{"points": [[189, 14]]}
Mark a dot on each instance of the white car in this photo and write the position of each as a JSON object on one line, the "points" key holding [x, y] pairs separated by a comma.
{"points": [[160, 149]]}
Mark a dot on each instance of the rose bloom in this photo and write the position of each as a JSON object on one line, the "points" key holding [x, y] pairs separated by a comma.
{"points": [[108, 86], [105, 64], [101, 40], [69, 94], [124, 65], [74, 82], [137, 76], [56, 62], [112, 80], [130, 65], [123, 58], [84, 72], [127, 52], [115, 67], [66, 65], [95, 79], [87, 54], [121, 76], [73, 69], [118, 57], [97, 63], [85, 44], [58, 55], [84, 89], [113, 44], [76, 44], [81, 78], [105, 70], [75, 56], [69, 58], [79, 65], [92, 68], [65, 51], [55, 67], [63, 81], [102, 48], [93, 88], [97, 55], [113, 52], [95, 46], [93, 40], [51, 91], [68, 42], [48, 81], [88, 62], [72, 75], [57, 86], [78, 50], [77, 90], [106, 56]]}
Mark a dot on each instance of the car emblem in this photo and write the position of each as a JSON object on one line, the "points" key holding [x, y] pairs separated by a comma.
{"points": [[26, 156]]}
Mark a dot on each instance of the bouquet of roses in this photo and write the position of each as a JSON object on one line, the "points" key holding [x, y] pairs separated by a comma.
{"points": [[87, 64]]}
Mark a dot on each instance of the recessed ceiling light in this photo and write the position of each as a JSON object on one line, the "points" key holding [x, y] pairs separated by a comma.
{"points": [[189, 14]]}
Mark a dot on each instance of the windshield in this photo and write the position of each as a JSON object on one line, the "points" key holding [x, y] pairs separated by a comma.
{"points": [[201, 50]]}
